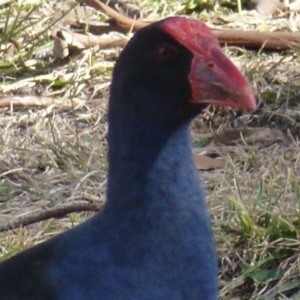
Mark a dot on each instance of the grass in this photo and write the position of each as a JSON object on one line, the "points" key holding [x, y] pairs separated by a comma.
{"points": [[57, 154]]}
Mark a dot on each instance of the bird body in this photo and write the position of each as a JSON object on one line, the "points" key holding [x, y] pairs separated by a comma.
{"points": [[153, 239]]}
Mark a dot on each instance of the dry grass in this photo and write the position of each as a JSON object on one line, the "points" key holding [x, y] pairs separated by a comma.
{"points": [[57, 154]]}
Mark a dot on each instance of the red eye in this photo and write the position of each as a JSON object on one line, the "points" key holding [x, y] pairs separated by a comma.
{"points": [[166, 52]]}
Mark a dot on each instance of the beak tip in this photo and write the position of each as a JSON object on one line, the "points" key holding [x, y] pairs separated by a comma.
{"points": [[251, 102]]}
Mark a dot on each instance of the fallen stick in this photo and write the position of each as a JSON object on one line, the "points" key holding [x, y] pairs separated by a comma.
{"points": [[57, 212], [257, 39]]}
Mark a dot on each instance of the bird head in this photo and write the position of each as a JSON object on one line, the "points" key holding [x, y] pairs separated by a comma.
{"points": [[173, 69]]}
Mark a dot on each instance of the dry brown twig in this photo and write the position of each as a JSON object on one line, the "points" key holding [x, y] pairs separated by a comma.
{"points": [[57, 212], [127, 7], [34, 101], [119, 22]]}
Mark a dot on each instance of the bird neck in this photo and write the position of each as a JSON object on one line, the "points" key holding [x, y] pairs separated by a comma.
{"points": [[150, 166]]}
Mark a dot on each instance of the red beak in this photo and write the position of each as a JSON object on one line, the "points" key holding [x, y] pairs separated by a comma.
{"points": [[214, 78]]}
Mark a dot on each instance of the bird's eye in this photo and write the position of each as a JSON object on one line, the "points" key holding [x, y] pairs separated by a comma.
{"points": [[166, 52]]}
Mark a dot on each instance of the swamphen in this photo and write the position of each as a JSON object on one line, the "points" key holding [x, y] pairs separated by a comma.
{"points": [[153, 239]]}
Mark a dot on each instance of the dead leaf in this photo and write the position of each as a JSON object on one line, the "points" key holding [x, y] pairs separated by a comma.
{"points": [[251, 136], [60, 48], [66, 42], [267, 7], [203, 162], [224, 150]]}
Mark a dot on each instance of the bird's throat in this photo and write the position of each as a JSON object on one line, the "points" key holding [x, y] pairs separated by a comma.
{"points": [[150, 168]]}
